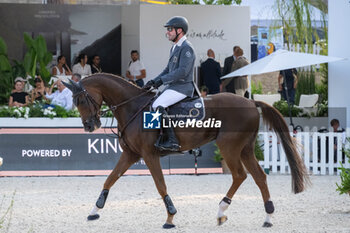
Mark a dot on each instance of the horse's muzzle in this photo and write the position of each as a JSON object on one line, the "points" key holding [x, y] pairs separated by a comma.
{"points": [[91, 125]]}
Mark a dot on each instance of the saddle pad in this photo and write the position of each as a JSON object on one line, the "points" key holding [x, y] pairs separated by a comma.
{"points": [[189, 108]]}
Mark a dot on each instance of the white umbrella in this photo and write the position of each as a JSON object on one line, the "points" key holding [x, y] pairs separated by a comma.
{"points": [[281, 60]]}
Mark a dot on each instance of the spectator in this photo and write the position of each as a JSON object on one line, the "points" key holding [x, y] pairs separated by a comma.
{"points": [[210, 73], [95, 65], [337, 129], [204, 91], [228, 84], [39, 92], [82, 67], [289, 84], [136, 70], [240, 83], [76, 77], [61, 68], [18, 97], [62, 97]]}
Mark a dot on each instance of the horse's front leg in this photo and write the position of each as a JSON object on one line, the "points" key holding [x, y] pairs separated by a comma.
{"points": [[153, 165], [125, 161]]}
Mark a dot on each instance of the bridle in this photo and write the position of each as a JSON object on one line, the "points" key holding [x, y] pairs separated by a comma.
{"points": [[93, 104]]}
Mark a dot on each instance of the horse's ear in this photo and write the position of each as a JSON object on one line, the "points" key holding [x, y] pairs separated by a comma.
{"points": [[69, 86], [75, 87]]}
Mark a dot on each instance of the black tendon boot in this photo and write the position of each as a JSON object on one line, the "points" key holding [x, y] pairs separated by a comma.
{"points": [[167, 141]]}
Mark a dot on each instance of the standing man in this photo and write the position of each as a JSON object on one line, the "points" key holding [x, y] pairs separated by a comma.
{"points": [[211, 73], [228, 62], [229, 86], [289, 84], [177, 76], [136, 71]]}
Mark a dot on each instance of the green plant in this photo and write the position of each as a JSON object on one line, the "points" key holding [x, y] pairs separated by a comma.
{"points": [[6, 78], [282, 107], [306, 84], [322, 110], [256, 89], [217, 155], [344, 186], [37, 57]]}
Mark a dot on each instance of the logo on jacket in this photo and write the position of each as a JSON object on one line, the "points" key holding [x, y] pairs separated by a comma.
{"points": [[151, 120], [175, 59]]}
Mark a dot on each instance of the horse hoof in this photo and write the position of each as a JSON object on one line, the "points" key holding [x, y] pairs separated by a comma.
{"points": [[93, 217], [168, 226], [221, 220], [267, 224]]}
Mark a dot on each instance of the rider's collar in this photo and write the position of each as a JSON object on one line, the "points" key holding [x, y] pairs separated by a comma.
{"points": [[179, 43]]}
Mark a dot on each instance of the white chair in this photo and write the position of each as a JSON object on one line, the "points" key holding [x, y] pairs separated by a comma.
{"points": [[307, 103], [269, 99]]}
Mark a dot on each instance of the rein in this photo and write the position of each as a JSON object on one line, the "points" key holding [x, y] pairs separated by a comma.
{"points": [[114, 107]]}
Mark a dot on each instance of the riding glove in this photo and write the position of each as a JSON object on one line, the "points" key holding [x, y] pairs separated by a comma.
{"points": [[157, 82]]}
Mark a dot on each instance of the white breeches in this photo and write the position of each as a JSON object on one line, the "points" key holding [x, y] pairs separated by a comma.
{"points": [[167, 98]]}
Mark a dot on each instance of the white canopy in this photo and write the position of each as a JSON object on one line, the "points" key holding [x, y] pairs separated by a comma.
{"points": [[281, 60]]}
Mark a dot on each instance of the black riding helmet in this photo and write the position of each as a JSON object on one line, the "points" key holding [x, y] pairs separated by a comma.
{"points": [[178, 22]]}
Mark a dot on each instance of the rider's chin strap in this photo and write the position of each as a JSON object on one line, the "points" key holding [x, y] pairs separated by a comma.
{"points": [[177, 35]]}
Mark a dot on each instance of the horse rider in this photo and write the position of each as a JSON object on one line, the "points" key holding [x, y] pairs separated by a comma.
{"points": [[177, 77]]}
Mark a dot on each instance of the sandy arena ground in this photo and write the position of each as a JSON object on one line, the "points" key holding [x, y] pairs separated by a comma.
{"points": [[61, 204]]}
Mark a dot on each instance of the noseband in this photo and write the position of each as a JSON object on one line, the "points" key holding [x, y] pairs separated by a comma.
{"points": [[93, 105]]}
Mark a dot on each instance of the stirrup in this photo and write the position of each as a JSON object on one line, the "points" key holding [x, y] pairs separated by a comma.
{"points": [[174, 147]]}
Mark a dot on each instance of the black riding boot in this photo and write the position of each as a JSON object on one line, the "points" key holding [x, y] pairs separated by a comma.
{"points": [[167, 141]]}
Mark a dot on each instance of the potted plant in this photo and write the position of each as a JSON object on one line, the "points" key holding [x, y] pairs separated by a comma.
{"points": [[344, 186]]}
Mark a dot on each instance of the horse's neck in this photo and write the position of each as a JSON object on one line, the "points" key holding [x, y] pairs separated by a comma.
{"points": [[117, 91]]}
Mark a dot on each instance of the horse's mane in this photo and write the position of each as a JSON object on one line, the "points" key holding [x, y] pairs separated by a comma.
{"points": [[114, 78]]}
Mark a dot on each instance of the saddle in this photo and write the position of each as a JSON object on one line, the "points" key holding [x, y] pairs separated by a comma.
{"points": [[189, 108]]}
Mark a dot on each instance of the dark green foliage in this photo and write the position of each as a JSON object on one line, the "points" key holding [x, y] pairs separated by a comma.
{"points": [[282, 107], [344, 186], [37, 57], [6, 78]]}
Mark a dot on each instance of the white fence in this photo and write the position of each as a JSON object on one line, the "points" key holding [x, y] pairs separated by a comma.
{"points": [[318, 151]]}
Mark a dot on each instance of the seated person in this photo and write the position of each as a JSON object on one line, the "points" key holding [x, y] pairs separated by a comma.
{"points": [[82, 67], [76, 77], [39, 92], [18, 97], [62, 97], [95, 64], [61, 68], [337, 129]]}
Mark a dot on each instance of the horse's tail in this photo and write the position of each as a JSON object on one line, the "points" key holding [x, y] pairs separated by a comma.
{"points": [[274, 119]]}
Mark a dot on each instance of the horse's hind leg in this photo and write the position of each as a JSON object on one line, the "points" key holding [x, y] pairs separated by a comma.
{"points": [[125, 161], [252, 165], [153, 165], [233, 160]]}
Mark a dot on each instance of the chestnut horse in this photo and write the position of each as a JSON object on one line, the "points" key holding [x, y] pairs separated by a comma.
{"points": [[235, 139]]}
